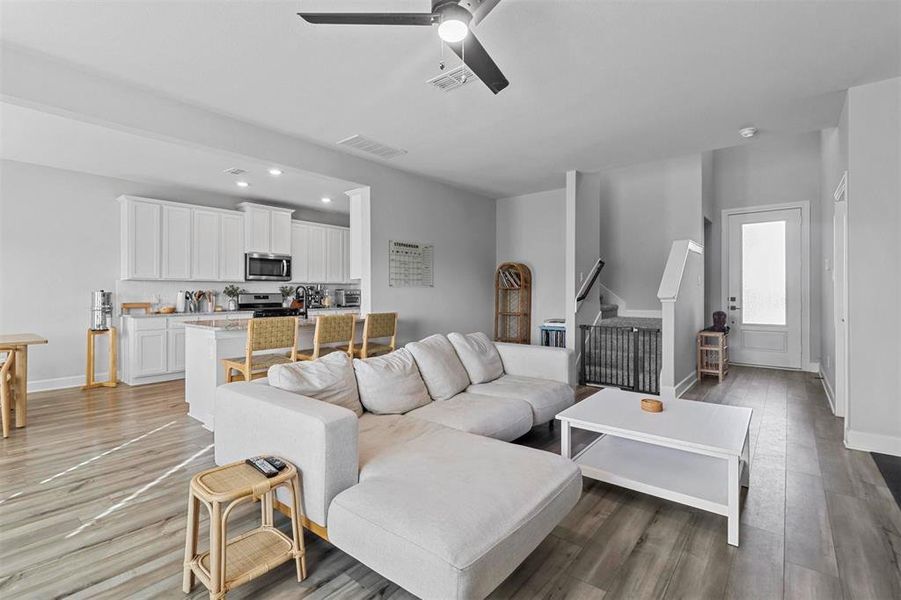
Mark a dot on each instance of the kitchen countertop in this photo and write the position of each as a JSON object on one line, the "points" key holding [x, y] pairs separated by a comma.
{"points": [[241, 324], [223, 313]]}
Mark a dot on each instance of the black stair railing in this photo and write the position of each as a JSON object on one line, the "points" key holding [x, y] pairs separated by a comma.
{"points": [[624, 357]]}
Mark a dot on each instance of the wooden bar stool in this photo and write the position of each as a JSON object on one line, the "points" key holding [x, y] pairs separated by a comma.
{"points": [[378, 326], [331, 329], [230, 563], [7, 387], [270, 333]]}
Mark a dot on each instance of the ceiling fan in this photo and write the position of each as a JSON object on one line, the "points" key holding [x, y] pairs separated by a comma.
{"points": [[454, 19]]}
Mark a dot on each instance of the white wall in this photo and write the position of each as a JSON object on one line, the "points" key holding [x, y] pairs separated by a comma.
{"points": [[874, 255], [403, 205], [531, 229], [643, 209], [770, 170]]}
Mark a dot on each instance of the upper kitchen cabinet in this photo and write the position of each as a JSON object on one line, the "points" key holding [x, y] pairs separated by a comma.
{"points": [[231, 247], [266, 229], [317, 254], [180, 242], [336, 250], [205, 245], [141, 238], [176, 257], [217, 245], [300, 266]]}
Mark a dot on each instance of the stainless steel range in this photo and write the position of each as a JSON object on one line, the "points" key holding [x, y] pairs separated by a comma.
{"points": [[267, 305]]}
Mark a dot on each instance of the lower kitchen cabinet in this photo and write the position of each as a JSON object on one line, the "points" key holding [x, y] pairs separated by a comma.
{"points": [[149, 353], [176, 350], [152, 349]]}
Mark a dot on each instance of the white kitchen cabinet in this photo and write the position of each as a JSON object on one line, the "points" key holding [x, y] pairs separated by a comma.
{"points": [[176, 255], [317, 252], [231, 247], [266, 229], [345, 264], [257, 229], [175, 359], [149, 352], [334, 255], [205, 248], [300, 268], [280, 232], [140, 238]]}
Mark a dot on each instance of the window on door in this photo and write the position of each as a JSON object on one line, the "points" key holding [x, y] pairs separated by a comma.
{"points": [[763, 273]]}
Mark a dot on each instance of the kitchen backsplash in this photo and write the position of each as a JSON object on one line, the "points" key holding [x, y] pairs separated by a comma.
{"points": [[165, 291]]}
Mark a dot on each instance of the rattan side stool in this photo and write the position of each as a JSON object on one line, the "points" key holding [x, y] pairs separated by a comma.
{"points": [[230, 563]]}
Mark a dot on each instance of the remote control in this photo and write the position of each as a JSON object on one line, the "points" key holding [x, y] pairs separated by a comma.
{"points": [[261, 465], [276, 462]]}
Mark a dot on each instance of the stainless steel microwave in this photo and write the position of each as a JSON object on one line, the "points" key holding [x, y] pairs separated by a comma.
{"points": [[262, 266]]}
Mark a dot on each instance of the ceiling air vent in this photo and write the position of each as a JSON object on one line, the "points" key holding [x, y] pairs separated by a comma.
{"points": [[358, 142], [453, 78], [234, 171]]}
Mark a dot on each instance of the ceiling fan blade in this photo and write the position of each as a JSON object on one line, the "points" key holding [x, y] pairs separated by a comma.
{"points": [[370, 18], [479, 8], [477, 59]]}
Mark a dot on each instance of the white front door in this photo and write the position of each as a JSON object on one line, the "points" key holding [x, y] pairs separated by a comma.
{"points": [[764, 295]]}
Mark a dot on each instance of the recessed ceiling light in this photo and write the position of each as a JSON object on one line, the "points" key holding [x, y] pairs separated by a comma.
{"points": [[747, 132], [242, 184], [326, 199], [275, 172]]}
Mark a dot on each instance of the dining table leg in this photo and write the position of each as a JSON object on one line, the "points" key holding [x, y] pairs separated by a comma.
{"points": [[21, 380]]}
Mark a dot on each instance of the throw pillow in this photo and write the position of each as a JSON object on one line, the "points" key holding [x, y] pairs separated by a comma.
{"points": [[329, 379], [439, 366], [390, 384], [479, 356]]}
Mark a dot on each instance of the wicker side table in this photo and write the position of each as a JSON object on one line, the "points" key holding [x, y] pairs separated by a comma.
{"points": [[232, 562], [713, 354]]}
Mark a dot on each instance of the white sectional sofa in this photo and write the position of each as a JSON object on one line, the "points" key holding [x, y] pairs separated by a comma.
{"points": [[430, 495]]}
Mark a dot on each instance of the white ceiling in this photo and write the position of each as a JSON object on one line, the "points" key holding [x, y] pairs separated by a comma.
{"points": [[593, 83], [38, 137]]}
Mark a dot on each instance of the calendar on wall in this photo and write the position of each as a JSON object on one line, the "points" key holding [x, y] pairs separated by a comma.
{"points": [[410, 264]]}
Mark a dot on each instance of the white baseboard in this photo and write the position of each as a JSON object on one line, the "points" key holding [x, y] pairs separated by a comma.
{"points": [[873, 442], [60, 383], [830, 395], [812, 367], [640, 314], [685, 385], [667, 392]]}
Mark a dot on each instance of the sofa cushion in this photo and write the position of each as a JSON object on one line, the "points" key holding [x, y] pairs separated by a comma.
{"points": [[390, 384], [329, 379], [496, 417], [439, 366], [451, 515], [479, 356], [546, 397]]}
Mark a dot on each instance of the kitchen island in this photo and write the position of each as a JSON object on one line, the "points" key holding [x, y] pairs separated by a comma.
{"points": [[207, 342]]}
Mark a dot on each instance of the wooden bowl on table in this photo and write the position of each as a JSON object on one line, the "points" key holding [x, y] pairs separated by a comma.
{"points": [[651, 405]]}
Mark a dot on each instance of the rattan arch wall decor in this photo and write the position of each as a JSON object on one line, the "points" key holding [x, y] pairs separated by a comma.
{"points": [[513, 303]]}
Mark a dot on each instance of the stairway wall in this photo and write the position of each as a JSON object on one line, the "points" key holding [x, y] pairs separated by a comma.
{"points": [[642, 209]]}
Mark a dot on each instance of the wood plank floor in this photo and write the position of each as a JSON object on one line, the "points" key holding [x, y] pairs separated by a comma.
{"points": [[93, 497]]}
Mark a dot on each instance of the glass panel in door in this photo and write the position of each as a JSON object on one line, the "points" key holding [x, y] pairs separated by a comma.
{"points": [[763, 273]]}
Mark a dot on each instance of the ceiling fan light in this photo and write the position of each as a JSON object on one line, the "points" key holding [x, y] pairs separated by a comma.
{"points": [[453, 30]]}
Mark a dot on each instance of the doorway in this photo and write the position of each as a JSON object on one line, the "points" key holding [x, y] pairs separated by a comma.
{"points": [[765, 285]]}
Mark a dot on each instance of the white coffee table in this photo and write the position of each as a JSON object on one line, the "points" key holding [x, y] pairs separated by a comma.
{"points": [[694, 453]]}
